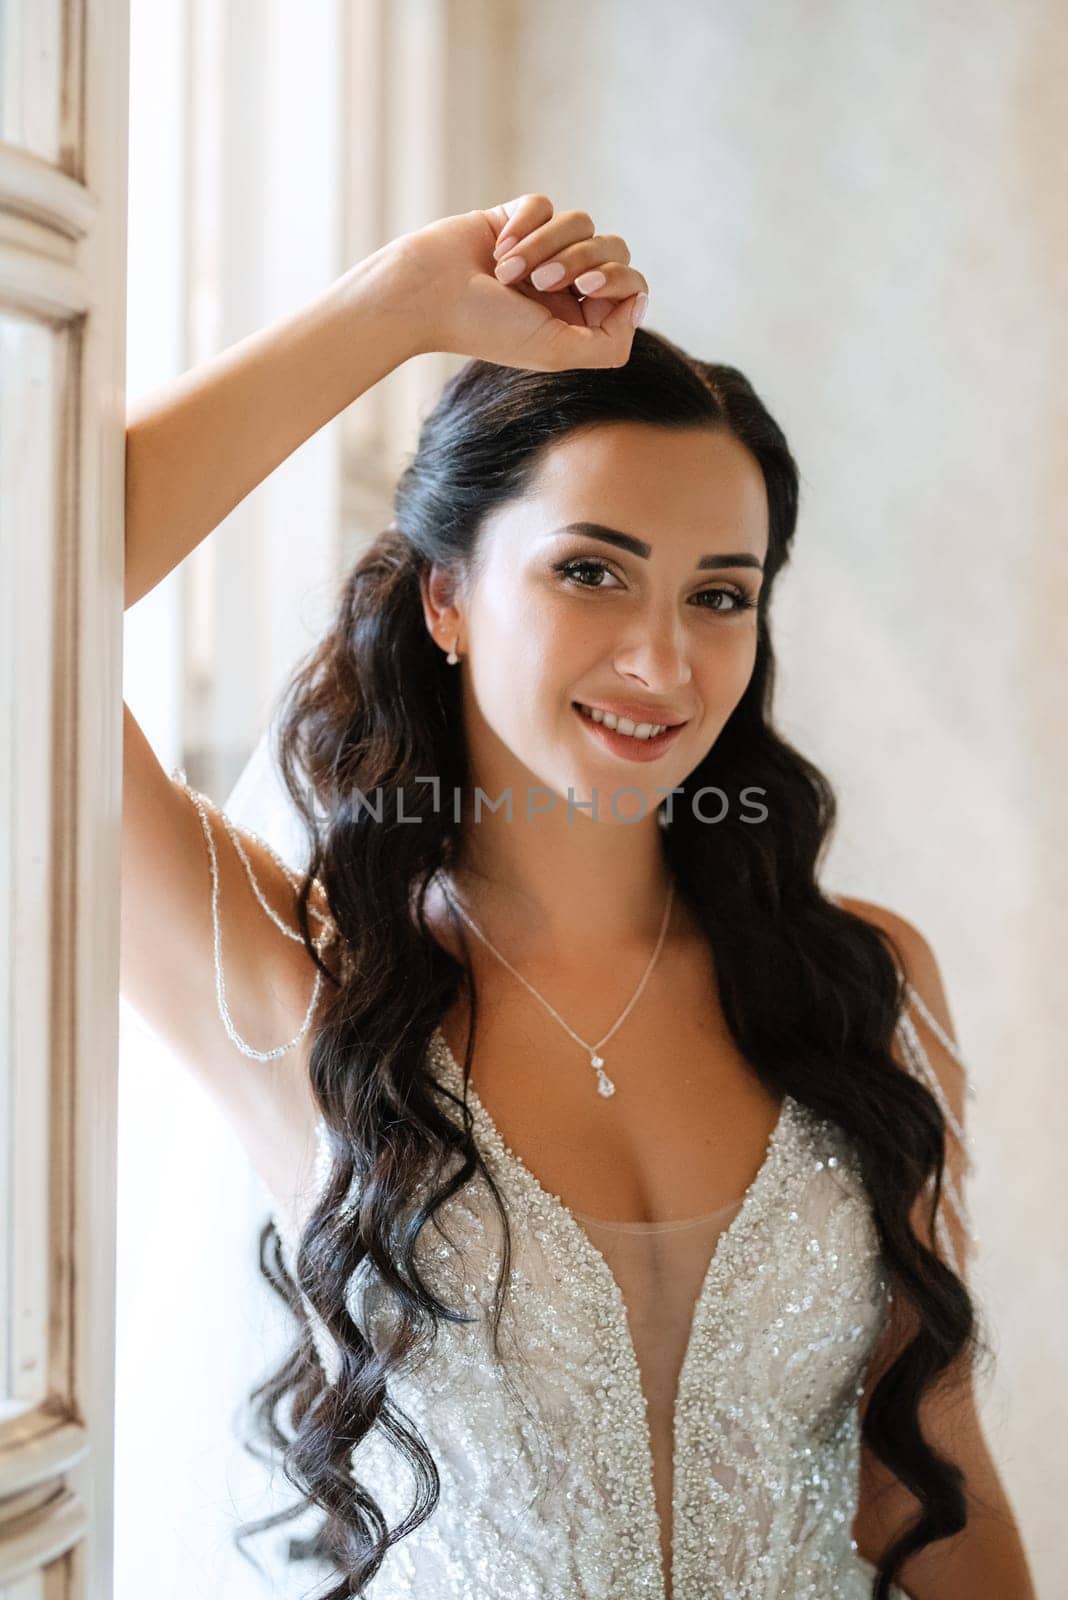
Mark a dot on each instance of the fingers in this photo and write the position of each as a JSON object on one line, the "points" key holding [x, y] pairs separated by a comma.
{"points": [[592, 253], [552, 251], [562, 250], [516, 218], [604, 343], [541, 238], [589, 269]]}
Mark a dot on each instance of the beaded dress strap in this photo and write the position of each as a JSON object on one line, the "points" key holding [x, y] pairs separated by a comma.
{"points": [[203, 806], [919, 1065]]}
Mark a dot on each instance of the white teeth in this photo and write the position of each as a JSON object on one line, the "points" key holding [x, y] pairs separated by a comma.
{"points": [[640, 730]]}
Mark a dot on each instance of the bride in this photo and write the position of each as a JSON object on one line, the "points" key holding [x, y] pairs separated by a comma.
{"points": [[617, 1166]]}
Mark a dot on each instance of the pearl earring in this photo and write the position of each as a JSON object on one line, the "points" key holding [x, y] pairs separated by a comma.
{"points": [[452, 658]]}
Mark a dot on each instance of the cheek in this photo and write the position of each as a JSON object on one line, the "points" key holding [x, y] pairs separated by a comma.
{"points": [[525, 619], [723, 676], [727, 666], [516, 668], [746, 658], [560, 648], [508, 632]]}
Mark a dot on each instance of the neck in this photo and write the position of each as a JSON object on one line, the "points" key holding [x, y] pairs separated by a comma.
{"points": [[542, 907]]}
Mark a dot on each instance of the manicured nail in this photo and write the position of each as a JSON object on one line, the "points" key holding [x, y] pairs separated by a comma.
{"points": [[590, 281], [514, 268], [641, 306], [544, 277], [509, 242]]}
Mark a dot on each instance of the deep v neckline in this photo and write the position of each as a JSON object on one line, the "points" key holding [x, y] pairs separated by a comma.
{"points": [[561, 1209], [724, 1249]]}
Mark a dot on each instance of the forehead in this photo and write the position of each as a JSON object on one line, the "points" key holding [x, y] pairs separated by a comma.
{"points": [[647, 480]]}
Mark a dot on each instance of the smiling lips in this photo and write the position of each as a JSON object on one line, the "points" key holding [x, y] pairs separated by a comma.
{"points": [[634, 746], [629, 717]]}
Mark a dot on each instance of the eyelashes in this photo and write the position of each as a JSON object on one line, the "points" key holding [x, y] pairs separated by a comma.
{"points": [[743, 600]]}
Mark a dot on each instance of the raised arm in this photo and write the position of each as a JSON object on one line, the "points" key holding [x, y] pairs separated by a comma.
{"points": [[195, 449], [211, 955]]}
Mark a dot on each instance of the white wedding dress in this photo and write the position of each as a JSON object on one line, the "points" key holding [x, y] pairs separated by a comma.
{"points": [[676, 1410]]}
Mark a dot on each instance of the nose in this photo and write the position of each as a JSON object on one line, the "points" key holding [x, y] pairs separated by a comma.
{"points": [[656, 654]]}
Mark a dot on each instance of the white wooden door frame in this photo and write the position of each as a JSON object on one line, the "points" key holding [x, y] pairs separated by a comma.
{"points": [[63, 265]]}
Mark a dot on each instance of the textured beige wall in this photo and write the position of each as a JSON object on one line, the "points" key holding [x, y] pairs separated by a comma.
{"points": [[865, 208]]}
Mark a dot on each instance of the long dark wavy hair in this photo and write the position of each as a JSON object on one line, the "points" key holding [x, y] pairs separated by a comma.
{"points": [[810, 992]]}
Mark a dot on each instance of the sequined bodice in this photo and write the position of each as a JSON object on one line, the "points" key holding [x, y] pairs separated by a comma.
{"points": [[546, 1458]]}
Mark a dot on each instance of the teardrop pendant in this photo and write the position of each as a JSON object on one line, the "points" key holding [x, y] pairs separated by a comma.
{"points": [[605, 1085]]}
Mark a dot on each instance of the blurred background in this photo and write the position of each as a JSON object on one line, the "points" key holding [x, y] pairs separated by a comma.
{"points": [[864, 207]]}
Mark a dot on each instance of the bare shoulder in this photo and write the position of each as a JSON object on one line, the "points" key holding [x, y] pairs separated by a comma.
{"points": [[915, 957], [926, 1045]]}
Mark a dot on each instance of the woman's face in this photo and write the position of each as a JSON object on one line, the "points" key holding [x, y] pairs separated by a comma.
{"points": [[648, 607]]}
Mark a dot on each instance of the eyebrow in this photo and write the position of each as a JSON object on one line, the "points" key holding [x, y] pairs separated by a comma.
{"points": [[638, 547]]}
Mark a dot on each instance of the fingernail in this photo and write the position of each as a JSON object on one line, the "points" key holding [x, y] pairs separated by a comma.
{"points": [[590, 281], [545, 277], [514, 268], [641, 306], [502, 247]]}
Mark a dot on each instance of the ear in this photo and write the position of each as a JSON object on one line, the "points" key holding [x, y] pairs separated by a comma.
{"points": [[442, 609]]}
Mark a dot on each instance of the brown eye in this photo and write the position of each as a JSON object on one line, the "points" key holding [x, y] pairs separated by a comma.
{"points": [[742, 600], [569, 569]]}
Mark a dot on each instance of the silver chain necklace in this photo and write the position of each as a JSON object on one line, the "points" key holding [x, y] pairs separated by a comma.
{"points": [[605, 1086]]}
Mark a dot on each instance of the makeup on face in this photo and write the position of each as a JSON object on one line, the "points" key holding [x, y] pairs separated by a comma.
{"points": [[725, 600], [627, 745]]}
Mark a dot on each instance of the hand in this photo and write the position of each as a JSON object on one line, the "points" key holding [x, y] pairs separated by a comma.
{"points": [[451, 270]]}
